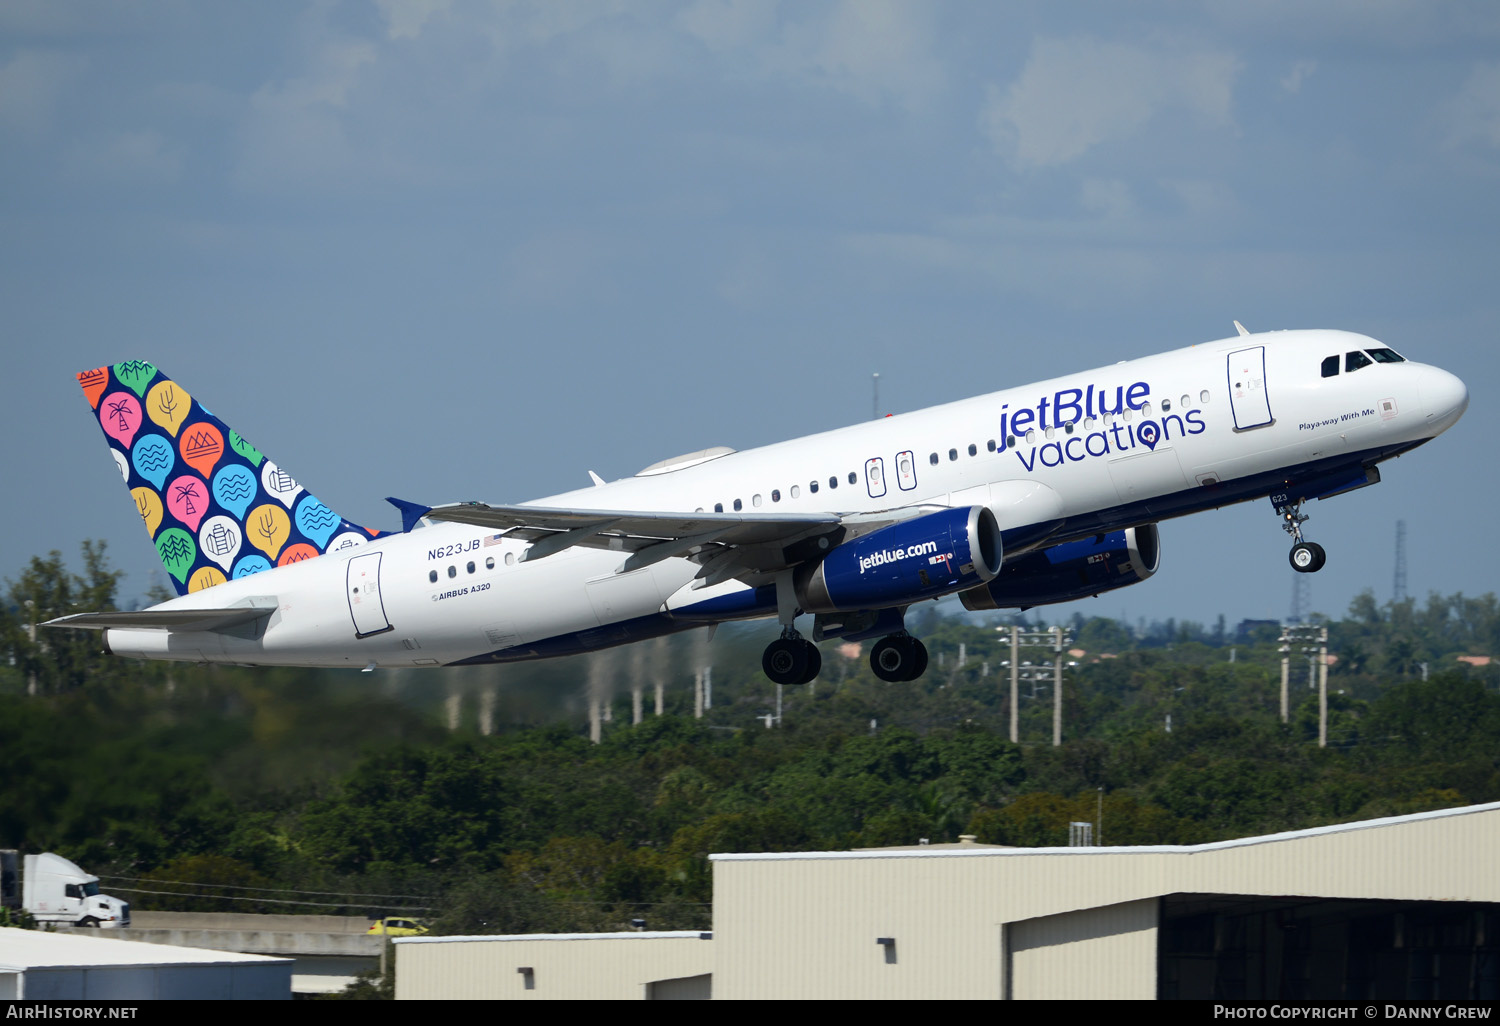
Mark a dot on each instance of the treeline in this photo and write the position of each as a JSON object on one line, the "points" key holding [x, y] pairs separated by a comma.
{"points": [[297, 791]]}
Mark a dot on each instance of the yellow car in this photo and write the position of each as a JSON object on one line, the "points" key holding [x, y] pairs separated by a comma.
{"points": [[396, 926]]}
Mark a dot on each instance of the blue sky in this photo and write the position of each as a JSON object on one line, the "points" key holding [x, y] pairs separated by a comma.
{"points": [[455, 250]]}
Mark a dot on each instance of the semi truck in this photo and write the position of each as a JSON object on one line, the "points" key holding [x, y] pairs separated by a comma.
{"points": [[56, 891]]}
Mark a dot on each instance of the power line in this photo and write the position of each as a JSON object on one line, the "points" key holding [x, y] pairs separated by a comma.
{"points": [[268, 890]]}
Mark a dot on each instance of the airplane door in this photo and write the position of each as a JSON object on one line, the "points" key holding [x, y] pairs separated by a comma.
{"points": [[365, 602], [1247, 388]]}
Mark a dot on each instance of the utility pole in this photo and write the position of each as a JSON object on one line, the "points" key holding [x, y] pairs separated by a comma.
{"points": [[1057, 644], [1055, 638], [1398, 583], [1312, 641], [1015, 698]]}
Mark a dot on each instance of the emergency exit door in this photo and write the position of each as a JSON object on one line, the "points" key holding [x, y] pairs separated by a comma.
{"points": [[365, 602], [1248, 401]]}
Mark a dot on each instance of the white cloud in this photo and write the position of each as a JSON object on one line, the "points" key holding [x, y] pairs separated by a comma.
{"points": [[1301, 72], [138, 157], [876, 50], [1110, 198], [295, 128], [1473, 116], [1075, 94], [729, 24], [404, 19]]}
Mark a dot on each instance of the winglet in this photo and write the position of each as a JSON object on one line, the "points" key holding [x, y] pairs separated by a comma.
{"points": [[1241, 329], [411, 512]]}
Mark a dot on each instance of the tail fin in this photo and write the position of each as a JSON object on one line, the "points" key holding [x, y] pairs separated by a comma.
{"points": [[215, 507]]}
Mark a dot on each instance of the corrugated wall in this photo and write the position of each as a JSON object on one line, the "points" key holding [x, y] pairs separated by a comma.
{"points": [[1094, 954], [603, 968]]}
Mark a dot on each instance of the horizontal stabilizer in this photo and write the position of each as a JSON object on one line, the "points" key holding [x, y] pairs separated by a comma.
{"points": [[411, 512], [165, 619]]}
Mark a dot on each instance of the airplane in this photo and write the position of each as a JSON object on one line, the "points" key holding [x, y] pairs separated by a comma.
{"points": [[1036, 494]]}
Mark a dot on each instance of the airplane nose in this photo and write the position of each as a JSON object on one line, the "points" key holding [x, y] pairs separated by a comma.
{"points": [[1444, 396]]}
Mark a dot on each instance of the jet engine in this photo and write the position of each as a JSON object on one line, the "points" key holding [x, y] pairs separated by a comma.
{"points": [[1072, 570], [926, 557]]}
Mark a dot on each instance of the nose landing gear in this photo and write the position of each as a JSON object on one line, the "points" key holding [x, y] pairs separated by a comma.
{"points": [[1306, 557]]}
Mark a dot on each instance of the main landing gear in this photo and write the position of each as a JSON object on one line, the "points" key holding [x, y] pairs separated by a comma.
{"points": [[898, 657], [791, 659], [1306, 557]]}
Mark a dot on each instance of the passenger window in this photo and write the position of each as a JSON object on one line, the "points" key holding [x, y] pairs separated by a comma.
{"points": [[1331, 366], [1166, 406], [1031, 437], [775, 494], [738, 505], [489, 562], [1049, 432], [1203, 397], [990, 445], [1068, 428], [833, 482], [1185, 400], [1355, 360], [812, 486], [1010, 441], [796, 492], [973, 449], [453, 571], [718, 507], [952, 455], [933, 459], [853, 477], [510, 559], [470, 567], [432, 576], [755, 500]]}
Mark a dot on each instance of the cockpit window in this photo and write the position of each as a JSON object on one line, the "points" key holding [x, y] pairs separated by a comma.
{"points": [[1355, 360], [1386, 356], [1331, 366]]}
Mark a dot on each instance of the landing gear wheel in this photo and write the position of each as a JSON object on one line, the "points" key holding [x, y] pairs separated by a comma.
{"points": [[919, 664], [899, 657], [785, 660], [814, 663], [1307, 557]]}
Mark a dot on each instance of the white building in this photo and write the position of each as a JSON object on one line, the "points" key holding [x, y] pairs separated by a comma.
{"points": [[35, 965], [1406, 907]]}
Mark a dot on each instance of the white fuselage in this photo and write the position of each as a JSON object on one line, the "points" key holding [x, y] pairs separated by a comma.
{"points": [[1221, 440]]}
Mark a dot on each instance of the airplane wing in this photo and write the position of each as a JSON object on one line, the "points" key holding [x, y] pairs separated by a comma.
{"points": [[165, 619], [748, 546]]}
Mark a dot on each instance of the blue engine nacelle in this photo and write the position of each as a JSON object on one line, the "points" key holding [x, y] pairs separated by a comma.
{"points": [[1072, 570], [926, 557]]}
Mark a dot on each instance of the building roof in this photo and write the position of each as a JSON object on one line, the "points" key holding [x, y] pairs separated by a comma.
{"points": [[21, 950], [979, 851], [621, 935]]}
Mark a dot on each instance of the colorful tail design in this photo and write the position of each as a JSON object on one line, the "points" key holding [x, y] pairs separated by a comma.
{"points": [[215, 507]]}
